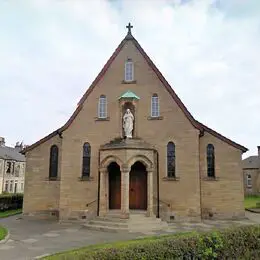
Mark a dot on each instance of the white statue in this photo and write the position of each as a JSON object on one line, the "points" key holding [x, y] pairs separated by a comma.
{"points": [[128, 123]]}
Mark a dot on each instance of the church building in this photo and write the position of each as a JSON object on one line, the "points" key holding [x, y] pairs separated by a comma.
{"points": [[131, 146]]}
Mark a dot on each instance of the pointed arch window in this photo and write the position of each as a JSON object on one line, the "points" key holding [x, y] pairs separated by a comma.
{"points": [[54, 158], [211, 161], [129, 70], [102, 107], [171, 165], [86, 160], [155, 110]]}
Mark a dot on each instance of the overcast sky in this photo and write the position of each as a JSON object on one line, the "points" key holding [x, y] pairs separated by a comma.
{"points": [[51, 51]]}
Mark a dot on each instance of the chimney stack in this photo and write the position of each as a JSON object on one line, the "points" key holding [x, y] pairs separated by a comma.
{"points": [[258, 148], [2, 141], [19, 146]]}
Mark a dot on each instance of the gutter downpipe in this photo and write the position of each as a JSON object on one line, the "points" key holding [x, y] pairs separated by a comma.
{"points": [[98, 198], [158, 190]]}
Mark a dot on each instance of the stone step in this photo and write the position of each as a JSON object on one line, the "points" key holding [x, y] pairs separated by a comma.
{"points": [[130, 225], [105, 228], [99, 222], [112, 219]]}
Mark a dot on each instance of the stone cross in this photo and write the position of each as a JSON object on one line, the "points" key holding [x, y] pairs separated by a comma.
{"points": [[129, 27]]}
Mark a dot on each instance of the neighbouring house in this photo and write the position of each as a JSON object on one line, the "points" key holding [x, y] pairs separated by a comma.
{"points": [[131, 145], [251, 170], [12, 168]]}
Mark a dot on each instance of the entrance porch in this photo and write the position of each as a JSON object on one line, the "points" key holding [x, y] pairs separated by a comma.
{"points": [[127, 178]]}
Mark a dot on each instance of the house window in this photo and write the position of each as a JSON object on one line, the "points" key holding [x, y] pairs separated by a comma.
{"points": [[129, 70], [210, 161], [155, 111], [11, 186], [54, 154], [15, 186], [6, 186], [249, 181], [86, 160], [171, 167], [102, 107], [9, 166]]}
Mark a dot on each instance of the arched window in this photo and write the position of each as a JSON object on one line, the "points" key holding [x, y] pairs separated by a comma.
{"points": [[210, 160], [248, 180], [171, 167], [155, 110], [129, 70], [102, 107], [54, 158], [86, 160]]}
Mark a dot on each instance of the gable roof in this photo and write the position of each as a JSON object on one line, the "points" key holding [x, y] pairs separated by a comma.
{"points": [[251, 162], [129, 37]]}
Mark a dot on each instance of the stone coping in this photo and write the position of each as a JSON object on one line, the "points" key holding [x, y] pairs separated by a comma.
{"points": [[133, 143]]}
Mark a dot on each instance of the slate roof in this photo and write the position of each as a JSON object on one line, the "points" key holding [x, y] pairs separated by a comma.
{"points": [[251, 162], [10, 153]]}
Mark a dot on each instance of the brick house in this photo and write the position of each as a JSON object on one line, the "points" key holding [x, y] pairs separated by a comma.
{"points": [[173, 167], [251, 171]]}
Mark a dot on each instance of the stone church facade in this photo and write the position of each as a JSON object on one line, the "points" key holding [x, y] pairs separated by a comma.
{"points": [[172, 166]]}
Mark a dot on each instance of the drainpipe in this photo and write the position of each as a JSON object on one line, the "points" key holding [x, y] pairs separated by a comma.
{"points": [[200, 178], [98, 198], [158, 190], [3, 171]]}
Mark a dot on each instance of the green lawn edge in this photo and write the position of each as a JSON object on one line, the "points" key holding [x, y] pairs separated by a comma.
{"points": [[3, 232], [118, 244], [9, 213]]}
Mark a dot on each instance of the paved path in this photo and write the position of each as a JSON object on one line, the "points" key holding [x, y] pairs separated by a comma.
{"points": [[30, 238]]}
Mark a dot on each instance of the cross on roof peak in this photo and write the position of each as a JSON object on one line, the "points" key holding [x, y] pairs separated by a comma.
{"points": [[129, 27]]}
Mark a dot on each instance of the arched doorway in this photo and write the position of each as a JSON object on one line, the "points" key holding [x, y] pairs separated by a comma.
{"points": [[114, 186], [138, 187]]}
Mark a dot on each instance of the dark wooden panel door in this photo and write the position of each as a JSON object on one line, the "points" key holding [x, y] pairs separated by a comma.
{"points": [[138, 190], [114, 190]]}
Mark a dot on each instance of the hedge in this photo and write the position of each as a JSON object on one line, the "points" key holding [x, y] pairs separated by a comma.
{"points": [[236, 243], [11, 201]]}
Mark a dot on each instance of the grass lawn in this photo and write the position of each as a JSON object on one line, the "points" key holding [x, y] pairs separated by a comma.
{"points": [[3, 232], [77, 253], [8, 213], [250, 201]]}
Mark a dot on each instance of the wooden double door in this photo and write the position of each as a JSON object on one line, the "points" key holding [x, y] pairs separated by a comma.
{"points": [[137, 187]]}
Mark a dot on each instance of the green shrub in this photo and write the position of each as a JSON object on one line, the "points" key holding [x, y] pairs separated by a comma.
{"points": [[235, 243], [11, 201]]}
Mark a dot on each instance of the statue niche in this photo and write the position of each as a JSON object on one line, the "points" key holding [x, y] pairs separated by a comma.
{"points": [[128, 119]]}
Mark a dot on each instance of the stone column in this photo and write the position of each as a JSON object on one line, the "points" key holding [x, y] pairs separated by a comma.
{"points": [[125, 192], [103, 199], [150, 192]]}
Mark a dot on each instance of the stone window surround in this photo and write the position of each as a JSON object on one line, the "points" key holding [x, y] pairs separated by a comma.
{"points": [[155, 106], [129, 70], [249, 180], [102, 107]]}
